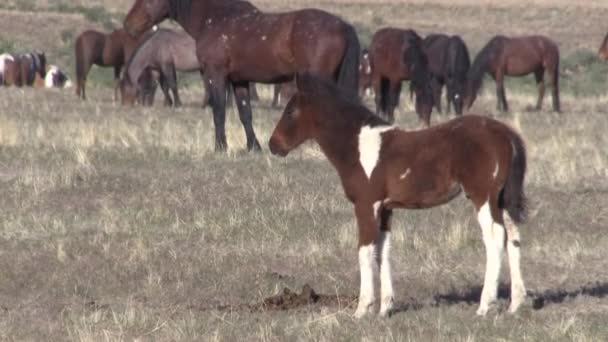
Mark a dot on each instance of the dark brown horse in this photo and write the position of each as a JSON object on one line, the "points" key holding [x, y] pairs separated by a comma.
{"points": [[383, 168], [518, 56], [396, 55], [238, 44], [449, 63], [603, 52], [105, 50], [22, 70]]}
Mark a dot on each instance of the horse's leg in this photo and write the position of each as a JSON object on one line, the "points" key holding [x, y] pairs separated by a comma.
{"points": [[217, 85], [171, 78], [539, 75], [276, 96], [242, 98], [117, 69], [436, 86], [449, 94], [207, 95], [490, 220], [253, 92], [368, 234], [518, 290], [384, 247], [393, 92], [555, 86], [165, 89], [500, 92]]}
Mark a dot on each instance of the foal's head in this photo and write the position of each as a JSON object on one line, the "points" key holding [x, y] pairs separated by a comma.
{"points": [[296, 124], [146, 13], [603, 53]]}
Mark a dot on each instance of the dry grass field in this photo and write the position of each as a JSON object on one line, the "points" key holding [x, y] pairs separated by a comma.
{"points": [[123, 224]]}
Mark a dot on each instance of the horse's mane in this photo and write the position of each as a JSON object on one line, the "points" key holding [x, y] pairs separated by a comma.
{"points": [[335, 102], [483, 58], [179, 8]]}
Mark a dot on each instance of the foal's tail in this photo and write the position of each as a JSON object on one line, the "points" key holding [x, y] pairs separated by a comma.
{"points": [[348, 76], [512, 197]]}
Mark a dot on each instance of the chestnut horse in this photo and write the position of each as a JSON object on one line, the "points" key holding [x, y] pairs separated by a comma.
{"points": [[603, 52], [516, 56], [449, 63], [395, 56], [383, 168], [105, 50], [238, 44], [22, 70]]}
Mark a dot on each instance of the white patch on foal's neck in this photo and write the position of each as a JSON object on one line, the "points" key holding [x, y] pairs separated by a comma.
{"points": [[370, 142]]}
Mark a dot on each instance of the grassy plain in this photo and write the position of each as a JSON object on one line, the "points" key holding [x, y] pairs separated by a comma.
{"points": [[123, 224]]}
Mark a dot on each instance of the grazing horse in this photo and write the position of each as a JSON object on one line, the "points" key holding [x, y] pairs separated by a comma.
{"points": [[238, 44], [22, 70], [105, 50], [365, 73], [396, 55], [449, 63], [383, 168], [165, 51], [517, 56], [603, 52]]}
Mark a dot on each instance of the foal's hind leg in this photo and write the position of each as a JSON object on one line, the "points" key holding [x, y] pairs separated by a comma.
{"points": [[384, 248], [368, 236], [490, 220], [500, 93], [539, 75], [518, 290]]}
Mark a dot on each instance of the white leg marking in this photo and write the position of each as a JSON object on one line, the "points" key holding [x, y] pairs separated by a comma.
{"points": [[370, 142], [376, 207], [495, 173], [518, 289], [493, 238], [386, 279], [366, 294], [405, 174]]}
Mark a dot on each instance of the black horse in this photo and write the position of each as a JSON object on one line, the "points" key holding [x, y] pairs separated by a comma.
{"points": [[449, 63]]}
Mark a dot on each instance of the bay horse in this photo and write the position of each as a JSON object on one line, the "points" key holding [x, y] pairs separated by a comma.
{"points": [[238, 44], [449, 63], [22, 70], [396, 55], [383, 168], [515, 56], [105, 50], [603, 52]]}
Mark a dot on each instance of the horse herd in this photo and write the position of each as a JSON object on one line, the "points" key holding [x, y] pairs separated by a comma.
{"points": [[317, 59]]}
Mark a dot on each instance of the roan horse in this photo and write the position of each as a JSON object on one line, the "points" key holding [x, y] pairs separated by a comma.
{"points": [[238, 44], [164, 51], [396, 55], [383, 168], [449, 63], [603, 52], [22, 70], [517, 56], [105, 50]]}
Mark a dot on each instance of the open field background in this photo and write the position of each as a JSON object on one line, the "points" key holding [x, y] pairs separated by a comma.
{"points": [[122, 224]]}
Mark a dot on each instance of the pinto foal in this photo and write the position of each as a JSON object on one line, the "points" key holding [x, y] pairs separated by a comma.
{"points": [[383, 168]]}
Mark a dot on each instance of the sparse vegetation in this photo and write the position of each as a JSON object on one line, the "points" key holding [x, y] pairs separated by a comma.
{"points": [[122, 223]]}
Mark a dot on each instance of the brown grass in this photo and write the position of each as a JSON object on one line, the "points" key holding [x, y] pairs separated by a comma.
{"points": [[123, 224]]}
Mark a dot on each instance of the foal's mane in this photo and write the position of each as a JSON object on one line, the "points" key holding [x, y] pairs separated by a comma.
{"points": [[334, 103], [482, 60]]}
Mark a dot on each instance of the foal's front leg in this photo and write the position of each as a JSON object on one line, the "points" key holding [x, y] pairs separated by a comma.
{"points": [[368, 235], [384, 248]]}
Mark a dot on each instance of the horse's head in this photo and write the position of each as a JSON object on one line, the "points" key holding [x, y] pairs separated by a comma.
{"points": [[470, 93], [603, 53], [458, 95], [42, 64], [420, 79], [297, 122], [128, 92], [145, 14]]}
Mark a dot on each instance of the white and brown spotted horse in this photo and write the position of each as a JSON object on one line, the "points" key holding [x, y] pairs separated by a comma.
{"points": [[383, 168]]}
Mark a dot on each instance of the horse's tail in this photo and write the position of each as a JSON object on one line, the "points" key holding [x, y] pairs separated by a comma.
{"points": [[348, 76], [512, 197]]}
